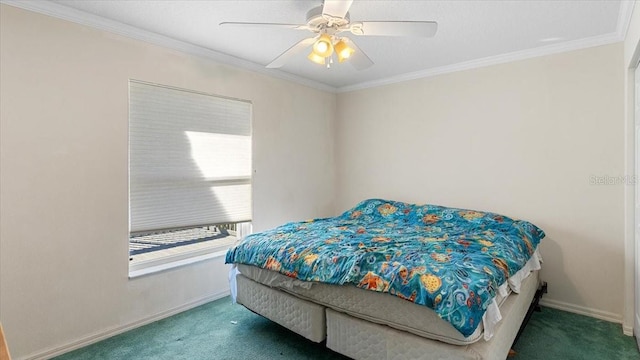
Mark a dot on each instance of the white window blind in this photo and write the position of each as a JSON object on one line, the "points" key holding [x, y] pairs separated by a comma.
{"points": [[189, 158]]}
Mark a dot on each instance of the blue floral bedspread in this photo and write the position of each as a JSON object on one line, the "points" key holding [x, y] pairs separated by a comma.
{"points": [[451, 260]]}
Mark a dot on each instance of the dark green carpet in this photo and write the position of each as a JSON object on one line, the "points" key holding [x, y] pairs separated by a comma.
{"points": [[219, 330], [555, 334]]}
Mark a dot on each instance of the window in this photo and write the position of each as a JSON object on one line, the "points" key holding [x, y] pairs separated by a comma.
{"points": [[189, 173]]}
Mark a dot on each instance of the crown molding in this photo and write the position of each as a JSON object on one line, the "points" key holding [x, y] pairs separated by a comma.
{"points": [[624, 19], [83, 18], [488, 61], [80, 17]]}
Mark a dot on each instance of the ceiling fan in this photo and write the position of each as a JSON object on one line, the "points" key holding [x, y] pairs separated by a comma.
{"points": [[328, 22]]}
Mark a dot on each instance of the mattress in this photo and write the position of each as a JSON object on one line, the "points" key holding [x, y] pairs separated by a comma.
{"points": [[360, 339], [450, 260], [302, 317], [381, 308]]}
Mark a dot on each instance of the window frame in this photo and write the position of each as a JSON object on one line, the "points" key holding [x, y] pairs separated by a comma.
{"points": [[211, 248]]}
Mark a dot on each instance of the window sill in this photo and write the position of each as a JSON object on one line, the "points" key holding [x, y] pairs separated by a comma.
{"points": [[162, 263]]}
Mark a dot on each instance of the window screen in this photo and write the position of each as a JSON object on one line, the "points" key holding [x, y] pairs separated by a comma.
{"points": [[189, 158]]}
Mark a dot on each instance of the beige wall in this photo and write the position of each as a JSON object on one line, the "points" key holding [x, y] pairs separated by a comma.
{"points": [[63, 174], [521, 138]]}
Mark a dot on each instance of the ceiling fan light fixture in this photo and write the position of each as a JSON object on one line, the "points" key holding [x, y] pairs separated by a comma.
{"points": [[323, 46], [343, 50], [316, 58], [328, 21]]}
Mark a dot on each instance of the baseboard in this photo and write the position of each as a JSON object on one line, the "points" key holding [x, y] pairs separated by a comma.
{"points": [[582, 310], [637, 331], [102, 335], [627, 330]]}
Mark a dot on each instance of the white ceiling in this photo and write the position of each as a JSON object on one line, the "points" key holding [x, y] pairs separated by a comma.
{"points": [[469, 32]]}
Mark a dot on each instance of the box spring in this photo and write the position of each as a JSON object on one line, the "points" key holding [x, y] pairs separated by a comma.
{"points": [[363, 339]]}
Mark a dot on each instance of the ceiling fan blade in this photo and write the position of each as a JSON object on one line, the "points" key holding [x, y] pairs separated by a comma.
{"points": [[359, 59], [395, 28], [292, 51], [271, 25], [336, 8]]}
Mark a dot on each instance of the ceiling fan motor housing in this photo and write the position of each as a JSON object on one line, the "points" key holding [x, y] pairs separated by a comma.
{"points": [[325, 23]]}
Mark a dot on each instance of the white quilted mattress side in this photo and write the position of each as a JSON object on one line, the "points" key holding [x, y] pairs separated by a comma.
{"points": [[369, 305], [361, 339], [391, 310], [300, 316]]}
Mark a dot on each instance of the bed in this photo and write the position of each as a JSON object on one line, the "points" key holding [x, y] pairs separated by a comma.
{"points": [[391, 280]]}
